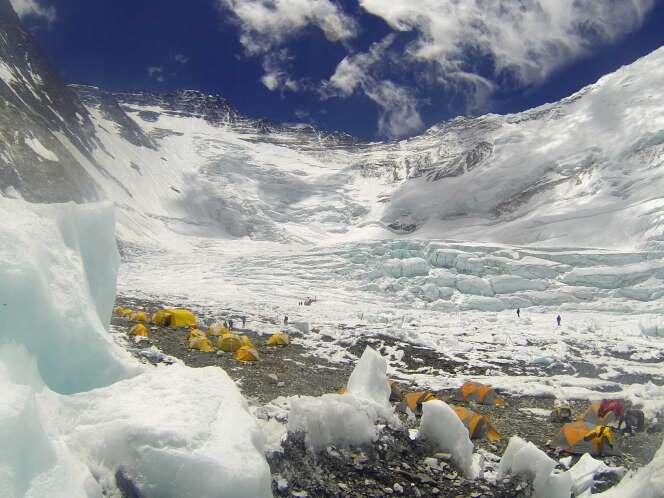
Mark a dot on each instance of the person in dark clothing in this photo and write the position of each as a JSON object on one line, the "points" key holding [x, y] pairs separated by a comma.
{"points": [[286, 320], [244, 321], [230, 324], [558, 319], [518, 312]]}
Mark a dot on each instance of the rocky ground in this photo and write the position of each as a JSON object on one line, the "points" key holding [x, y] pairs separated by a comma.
{"points": [[395, 464]]}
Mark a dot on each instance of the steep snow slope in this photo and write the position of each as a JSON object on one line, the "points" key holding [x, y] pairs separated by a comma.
{"points": [[586, 171]]}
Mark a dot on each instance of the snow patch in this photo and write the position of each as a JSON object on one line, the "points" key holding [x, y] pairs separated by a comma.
{"points": [[39, 149]]}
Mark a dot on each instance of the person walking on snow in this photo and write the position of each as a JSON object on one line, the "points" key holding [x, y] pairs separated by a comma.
{"points": [[244, 321], [286, 320], [558, 319], [230, 324], [518, 312]]}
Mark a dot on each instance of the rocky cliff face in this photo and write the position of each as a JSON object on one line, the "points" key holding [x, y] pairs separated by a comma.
{"points": [[45, 132]]}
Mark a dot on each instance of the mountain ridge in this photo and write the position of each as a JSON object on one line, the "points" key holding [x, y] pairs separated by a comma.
{"points": [[555, 174]]}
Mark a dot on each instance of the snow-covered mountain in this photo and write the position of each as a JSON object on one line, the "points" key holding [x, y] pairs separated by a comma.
{"points": [[585, 171]]}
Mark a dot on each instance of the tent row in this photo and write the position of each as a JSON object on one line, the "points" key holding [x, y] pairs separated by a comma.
{"points": [[218, 337]]}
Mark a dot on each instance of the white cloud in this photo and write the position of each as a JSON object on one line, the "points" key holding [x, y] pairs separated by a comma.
{"points": [[398, 107], [276, 76], [26, 8], [180, 58], [525, 40], [157, 73], [399, 116], [266, 24]]}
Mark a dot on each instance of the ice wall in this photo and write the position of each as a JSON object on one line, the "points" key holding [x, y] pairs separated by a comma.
{"points": [[75, 408], [58, 266]]}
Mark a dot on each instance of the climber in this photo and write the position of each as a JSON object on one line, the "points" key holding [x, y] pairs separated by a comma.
{"points": [[286, 320], [230, 324], [518, 312], [558, 319], [244, 321]]}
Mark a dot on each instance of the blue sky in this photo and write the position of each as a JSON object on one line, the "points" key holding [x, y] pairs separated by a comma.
{"points": [[372, 68]]}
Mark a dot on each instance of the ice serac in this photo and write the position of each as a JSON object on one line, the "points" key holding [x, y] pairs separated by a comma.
{"points": [[75, 408], [348, 419], [368, 381], [58, 267], [525, 459], [442, 428]]}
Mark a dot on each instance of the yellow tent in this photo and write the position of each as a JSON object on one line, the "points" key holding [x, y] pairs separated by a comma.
{"points": [[247, 342], [229, 343], [175, 318], [279, 339], [480, 393], [246, 354], [139, 316], [194, 332], [118, 310], [139, 330], [217, 330], [126, 312], [160, 317], [479, 426], [197, 340]]}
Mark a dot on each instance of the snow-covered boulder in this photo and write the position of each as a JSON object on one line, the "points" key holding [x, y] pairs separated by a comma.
{"points": [[441, 427]]}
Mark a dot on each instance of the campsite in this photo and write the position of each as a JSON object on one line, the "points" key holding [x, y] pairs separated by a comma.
{"points": [[394, 458]]}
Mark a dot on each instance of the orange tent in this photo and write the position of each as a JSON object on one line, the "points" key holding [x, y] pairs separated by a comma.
{"points": [[578, 438], [479, 393], [413, 401], [479, 426]]}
